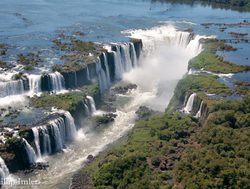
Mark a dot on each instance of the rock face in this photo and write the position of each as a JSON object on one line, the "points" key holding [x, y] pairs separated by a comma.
{"points": [[124, 89], [15, 155], [113, 64], [104, 119]]}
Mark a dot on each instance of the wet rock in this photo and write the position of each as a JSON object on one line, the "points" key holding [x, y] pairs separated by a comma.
{"points": [[40, 166], [90, 157], [124, 89], [104, 119]]}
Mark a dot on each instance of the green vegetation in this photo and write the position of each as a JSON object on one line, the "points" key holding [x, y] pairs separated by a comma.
{"points": [[91, 89], [68, 67], [142, 163], [199, 84], [29, 61], [179, 151], [19, 76], [220, 157], [78, 54], [66, 101], [209, 61]]}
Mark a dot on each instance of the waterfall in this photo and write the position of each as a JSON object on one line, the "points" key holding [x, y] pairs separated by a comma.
{"points": [[86, 109], [182, 38], [102, 78], [30, 152], [11, 88], [70, 127], [46, 141], [88, 74], [133, 55], [198, 114], [4, 171], [58, 125], [55, 134], [107, 69], [57, 81], [189, 106], [126, 59], [34, 84], [92, 104], [37, 142], [75, 79]]}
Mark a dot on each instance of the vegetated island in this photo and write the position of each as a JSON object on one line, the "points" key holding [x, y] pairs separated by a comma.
{"points": [[206, 148]]}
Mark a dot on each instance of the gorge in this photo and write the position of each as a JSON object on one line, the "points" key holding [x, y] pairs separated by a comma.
{"points": [[71, 94]]}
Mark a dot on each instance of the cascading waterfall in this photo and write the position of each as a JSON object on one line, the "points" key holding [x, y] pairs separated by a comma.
{"points": [[4, 171], [181, 39], [125, 59], [87, 109], [37, 143], [107, 69], [70, 127], [163, 61], [189, 106], [102, 78], [92, 104], [57, 128], [88, 74], [57, 82], [30, 152], [52, 137], [46, 141], [198, 114], [76, 82], [34, 84], [118, 63], [133, 55], [11, 88]]}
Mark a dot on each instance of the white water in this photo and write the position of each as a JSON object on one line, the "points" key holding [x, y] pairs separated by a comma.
{"points": [[88, 74], [125, 59], [70, 127], [34, 84], [133, 55], [57, 81], [102, 78], [12, 93], [11, 88], [4, 171], [37, 143], [92, 104], [189, 106], [58, 137], [198, 114], [30, 152], [107, 70], [164, 61], [46, 141]]}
